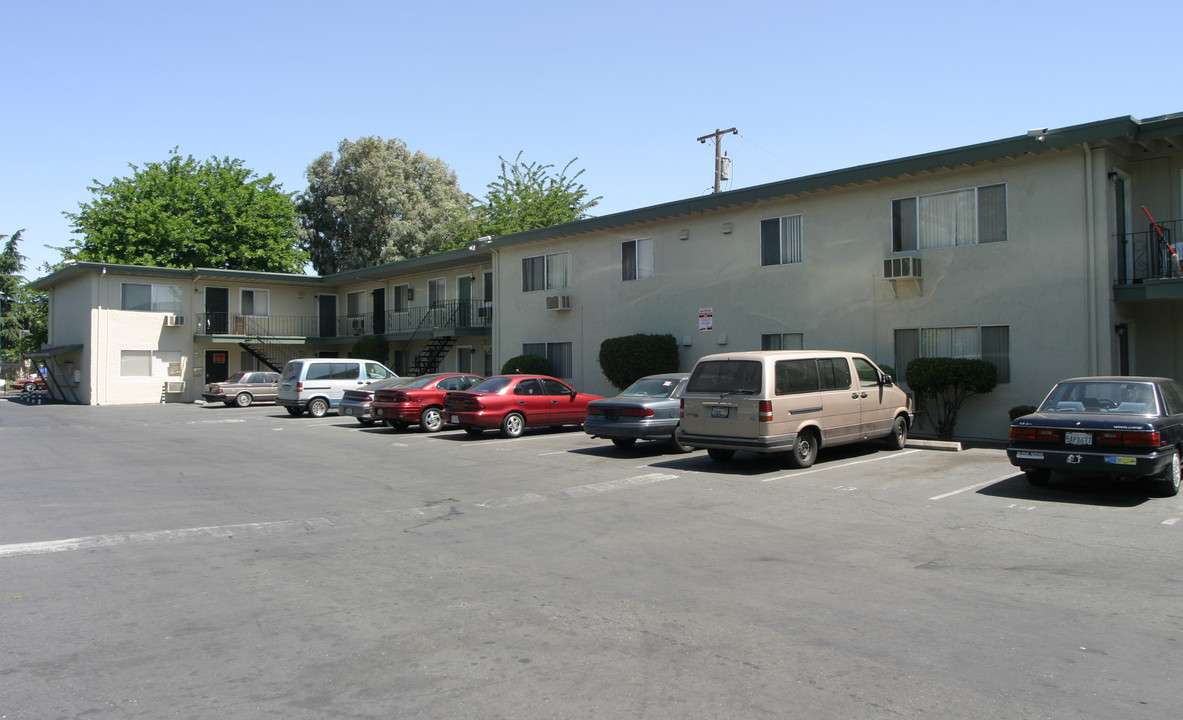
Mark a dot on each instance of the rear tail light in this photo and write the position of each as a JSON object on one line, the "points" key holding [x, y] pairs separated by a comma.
{"points": [[300, 386], [682, 408], [1128, 439], [765, 411], [1034, 434], [595, 411]]}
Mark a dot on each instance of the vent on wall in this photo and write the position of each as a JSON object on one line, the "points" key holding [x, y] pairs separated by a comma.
{"points": [[174, 387]]}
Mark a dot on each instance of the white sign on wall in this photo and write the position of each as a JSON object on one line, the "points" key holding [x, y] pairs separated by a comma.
{"points": [[706, 319]]}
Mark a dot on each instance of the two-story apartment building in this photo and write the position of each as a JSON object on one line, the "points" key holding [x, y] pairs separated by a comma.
{"points": [[1033, 252]]}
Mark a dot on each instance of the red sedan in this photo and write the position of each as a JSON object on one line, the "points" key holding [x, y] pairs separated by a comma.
{"points": [[30, 383], [419, 401], [515, 402]]}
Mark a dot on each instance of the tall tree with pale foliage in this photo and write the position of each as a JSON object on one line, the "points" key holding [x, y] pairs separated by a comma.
{"points": [[377, 202]]}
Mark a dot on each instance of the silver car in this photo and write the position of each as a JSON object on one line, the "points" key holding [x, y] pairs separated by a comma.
{"points": [[356, 403], [648, 409]]}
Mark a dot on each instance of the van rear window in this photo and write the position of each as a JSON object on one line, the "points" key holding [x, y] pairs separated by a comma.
{"points": [[726, 376]]}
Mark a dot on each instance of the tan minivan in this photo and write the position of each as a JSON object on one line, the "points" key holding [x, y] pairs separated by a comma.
{"points": [[792, 402]]}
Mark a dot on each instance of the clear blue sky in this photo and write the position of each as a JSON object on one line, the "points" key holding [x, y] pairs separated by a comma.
{"points": [[626, 87]]}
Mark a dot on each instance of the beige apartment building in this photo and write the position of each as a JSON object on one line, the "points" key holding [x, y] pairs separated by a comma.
{"points": [[1034, 252]]}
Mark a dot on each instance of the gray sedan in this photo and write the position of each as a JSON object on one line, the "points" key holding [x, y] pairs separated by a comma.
{"points": [[649, 409], [356, 403]]}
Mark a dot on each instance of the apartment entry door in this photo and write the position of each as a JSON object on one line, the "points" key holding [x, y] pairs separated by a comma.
{"points": [[328, 315], [217, 365], [217, 310]]}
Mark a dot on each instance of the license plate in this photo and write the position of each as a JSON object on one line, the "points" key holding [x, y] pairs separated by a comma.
{"points": [[346, 411], [455, 420], [720, 412], [1078, 438], [378, 412]]}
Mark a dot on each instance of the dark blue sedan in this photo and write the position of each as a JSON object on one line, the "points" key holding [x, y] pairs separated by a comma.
{"points": [[1121, 427]]}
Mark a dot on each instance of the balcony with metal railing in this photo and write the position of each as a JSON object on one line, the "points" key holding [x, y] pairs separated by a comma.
{"points": [[1148, 263], [461, 317]]}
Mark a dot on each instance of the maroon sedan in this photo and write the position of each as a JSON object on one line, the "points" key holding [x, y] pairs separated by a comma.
{"points": [[515, 402], [419, 400]]}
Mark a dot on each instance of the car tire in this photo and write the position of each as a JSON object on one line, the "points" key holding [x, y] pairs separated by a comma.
{"points": [[295, 411], [677, 446], [804, 451], [624, 443], [474, 431], [899, 434], [399, 425], [431, 420], [1039, 477], [1172, 475], [243, 399], [318, 407], [366, 422], [720, 455], [513, 425]]}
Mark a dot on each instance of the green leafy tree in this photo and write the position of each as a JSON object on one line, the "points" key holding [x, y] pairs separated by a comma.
{"points": [[377, 202], [944, 384], [186, 213], [23, 311], [527, 197], [624, 360]]}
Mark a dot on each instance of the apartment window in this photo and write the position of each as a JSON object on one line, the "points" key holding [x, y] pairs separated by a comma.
{"points": [[436, 292], [255, 302], [147, 363], [546, 272], [782, 341], [488, 289], [987, 342], [951, 219], [559, 355], [780, 240], [355, 304], [152, 298], [400, 298], [636, 259]]}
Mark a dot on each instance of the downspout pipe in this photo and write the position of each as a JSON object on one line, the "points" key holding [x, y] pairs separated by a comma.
{"points": [[1091, 334]]}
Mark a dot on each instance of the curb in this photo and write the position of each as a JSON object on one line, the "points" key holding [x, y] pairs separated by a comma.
{"points": [[935, 445]]}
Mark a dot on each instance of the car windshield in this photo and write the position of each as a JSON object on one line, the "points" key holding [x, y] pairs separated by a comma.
{"points": [[492, 385], [1110, 396], [651, 388]]}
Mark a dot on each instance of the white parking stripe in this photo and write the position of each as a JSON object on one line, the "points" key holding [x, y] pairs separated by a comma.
{"points": [[877, 458], [975, 486]]}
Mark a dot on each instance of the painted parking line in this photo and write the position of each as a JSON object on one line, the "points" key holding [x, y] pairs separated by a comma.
{"points": [[311, 525], [975, 486], [877, 458]]}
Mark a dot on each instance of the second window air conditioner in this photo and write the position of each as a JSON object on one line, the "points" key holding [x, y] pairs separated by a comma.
{"points": [[558, 302]]}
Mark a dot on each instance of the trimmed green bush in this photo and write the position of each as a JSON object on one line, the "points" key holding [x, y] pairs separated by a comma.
{"points": [[624, 360], [526, 365], [371, 347], [1019, 411], [942, 385]]}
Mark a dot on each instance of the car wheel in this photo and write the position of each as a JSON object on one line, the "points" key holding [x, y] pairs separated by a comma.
{"points": [[432, 420], [295, 411], [720, 455], [804, 450], [677, 446], [513, 425], [1038, 477], [366, 422], [399, 425], [1171, 476], [624, 443], [474, 431], [899, 434], [318, 407], [243, 399]]}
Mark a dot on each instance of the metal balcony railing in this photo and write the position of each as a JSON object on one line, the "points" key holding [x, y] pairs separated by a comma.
{"points": [[1147, 255], [450, 314]]}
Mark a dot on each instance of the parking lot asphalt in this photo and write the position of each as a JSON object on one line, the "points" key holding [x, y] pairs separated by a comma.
{"points": [[201, 561]]}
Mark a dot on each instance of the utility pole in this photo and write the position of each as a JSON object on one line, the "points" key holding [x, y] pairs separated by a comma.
{"points": [[718, 136]]}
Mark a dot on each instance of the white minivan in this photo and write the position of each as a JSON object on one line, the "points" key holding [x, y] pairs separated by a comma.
{"points": [[317, 384], [792, 402]]}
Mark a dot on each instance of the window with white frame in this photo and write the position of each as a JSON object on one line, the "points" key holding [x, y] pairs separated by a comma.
{"points": [[437, 292], [971, 216], [546, 272], [782, 341], [152, 298], [355, 304], [147, 363], [780, 240], [401, 298], [985, 342], [636, 259], [255, 302], [559, 355]]}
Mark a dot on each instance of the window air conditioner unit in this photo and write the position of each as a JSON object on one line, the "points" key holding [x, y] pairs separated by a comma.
{"points": [[174, 387], [558, 302], [484, 313], [358, 326], [901, 268], [174, 320]]}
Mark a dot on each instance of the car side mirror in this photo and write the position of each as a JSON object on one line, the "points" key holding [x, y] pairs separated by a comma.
{"points": [[885, 380]]}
